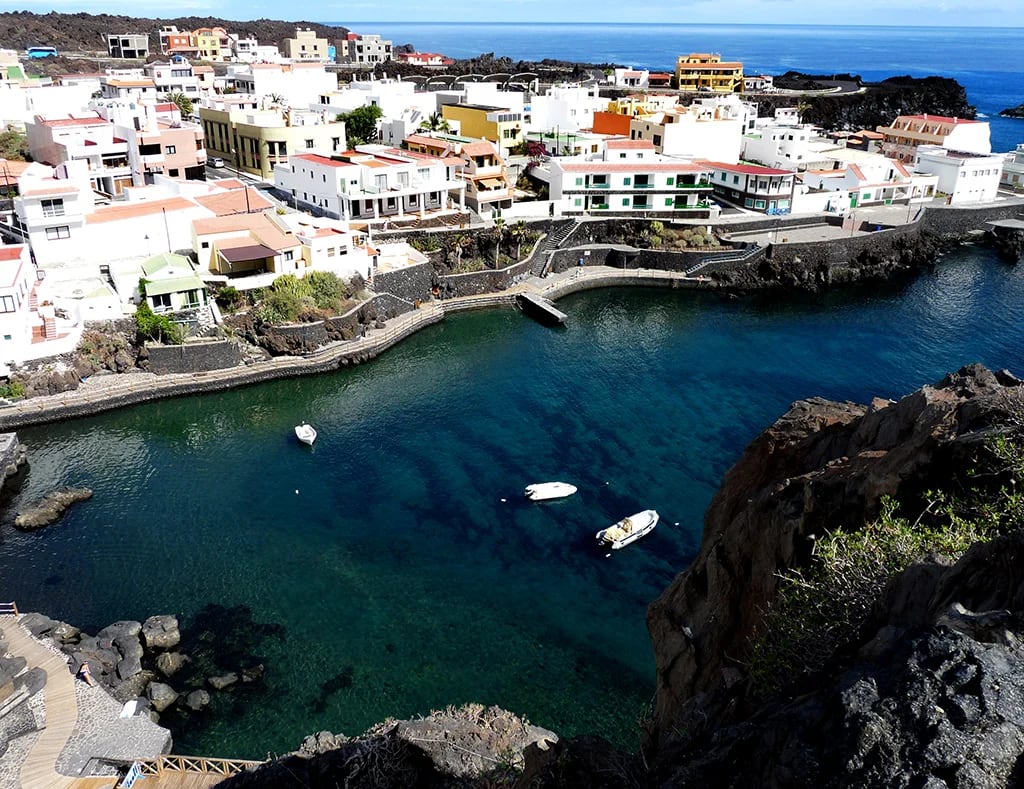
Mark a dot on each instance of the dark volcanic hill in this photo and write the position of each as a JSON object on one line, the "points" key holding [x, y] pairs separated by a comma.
{"points": [[87, 32]]}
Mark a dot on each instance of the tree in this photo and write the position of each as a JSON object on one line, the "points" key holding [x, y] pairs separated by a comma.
{"points": [[435, 122], [361, 124], [14, 146], [518, 233], [498, 235], [184, 103], [459, 242]]}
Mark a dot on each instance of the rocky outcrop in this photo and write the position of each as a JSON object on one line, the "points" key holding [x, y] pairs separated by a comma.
{"points": [[826, 466], [50, 508], [446, 749]]}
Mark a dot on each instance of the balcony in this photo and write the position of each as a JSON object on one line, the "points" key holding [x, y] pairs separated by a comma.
{"points": [[596, 185]]}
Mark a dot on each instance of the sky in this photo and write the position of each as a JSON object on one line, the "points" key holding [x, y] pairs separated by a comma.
{"points": [[942, 13]]}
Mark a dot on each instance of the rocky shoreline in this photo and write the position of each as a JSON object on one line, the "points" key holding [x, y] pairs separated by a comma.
{"points": [[171, 674]]}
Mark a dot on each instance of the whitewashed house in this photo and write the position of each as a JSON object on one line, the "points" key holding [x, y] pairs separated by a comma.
{"points": [[372, 182], [963, 177]]}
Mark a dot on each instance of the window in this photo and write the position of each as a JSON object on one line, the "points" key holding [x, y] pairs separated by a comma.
{"points": [[627, 181], [53, 233], [173, 172], [170, 149], [309, 143], [579, 181], [403, 179], [625, 201], [53, 207], [380, 182], [622, 156], [204, 245], [161, 301], [657, 139], [578, 201], [735, 179], [7, 304], [331, 252], [289, 255]]}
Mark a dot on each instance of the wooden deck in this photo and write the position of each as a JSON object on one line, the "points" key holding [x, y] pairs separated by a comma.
{"points": [[166, 781], [38, 771]]}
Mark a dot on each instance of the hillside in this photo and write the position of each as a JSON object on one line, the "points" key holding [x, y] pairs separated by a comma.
{"points": [[87, 32]]}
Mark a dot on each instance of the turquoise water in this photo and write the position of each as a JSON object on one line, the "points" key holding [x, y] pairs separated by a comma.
{"points": [[386, 551]]}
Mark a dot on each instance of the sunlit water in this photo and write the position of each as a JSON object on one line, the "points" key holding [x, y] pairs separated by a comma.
{"points": [[399, 547]]}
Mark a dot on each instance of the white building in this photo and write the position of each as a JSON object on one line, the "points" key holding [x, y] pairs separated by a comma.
{"points": [[632, 180], [131, 84], [901, 139], [174, 76], [363, 50], [292, 84], [19, 103], [1013, 169], [394, 97], [871, 180], [563, 107], [712, 129], [787, 146], [963, 176], [372, 182], [766, 190]]}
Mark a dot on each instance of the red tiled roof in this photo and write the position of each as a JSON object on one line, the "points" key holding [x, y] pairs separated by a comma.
{"points": [[316, 158], [44, 189], [937, 119], [857, 172]]}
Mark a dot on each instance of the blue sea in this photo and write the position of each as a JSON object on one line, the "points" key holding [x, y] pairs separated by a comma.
{"points": [[400, 565], [988, 62]]}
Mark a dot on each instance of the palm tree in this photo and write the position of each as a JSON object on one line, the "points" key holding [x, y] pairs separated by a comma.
{"points": [[435, 122], [459, 242], [184, 103], [518, 234], [499, 233]]}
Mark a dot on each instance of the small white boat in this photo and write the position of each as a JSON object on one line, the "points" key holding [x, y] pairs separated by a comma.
{"points": [[540, 491], [305, 433], [628, 530]]}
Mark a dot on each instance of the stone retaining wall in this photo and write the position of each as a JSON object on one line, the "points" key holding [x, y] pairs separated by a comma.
{"points": [[193, 357], [843, 251], [411, 284], [958, 220]]}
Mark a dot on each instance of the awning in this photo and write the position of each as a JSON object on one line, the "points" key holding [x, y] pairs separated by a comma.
{"points": [[248, 252], [492, 183]]}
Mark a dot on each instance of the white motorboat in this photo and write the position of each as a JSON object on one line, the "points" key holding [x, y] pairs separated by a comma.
{"points": [[628, 530], [540, 491], [305, 433]]}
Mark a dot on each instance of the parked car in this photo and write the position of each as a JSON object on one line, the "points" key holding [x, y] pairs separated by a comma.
{"points": [[215, 161]]}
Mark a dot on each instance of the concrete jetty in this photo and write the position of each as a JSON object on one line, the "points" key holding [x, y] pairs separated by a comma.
{"points": [[541, 309]]}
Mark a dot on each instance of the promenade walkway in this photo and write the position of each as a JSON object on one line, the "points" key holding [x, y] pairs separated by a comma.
{"points": [[38, 770]]}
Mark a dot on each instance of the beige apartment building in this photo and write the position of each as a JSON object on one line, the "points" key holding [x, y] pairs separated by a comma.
{"points": [[306, 46]]}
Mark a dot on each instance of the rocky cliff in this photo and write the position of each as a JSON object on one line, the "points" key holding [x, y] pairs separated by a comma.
{"points": [[924, 691]]}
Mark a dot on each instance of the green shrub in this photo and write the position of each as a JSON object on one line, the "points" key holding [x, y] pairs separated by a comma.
{"points": [[326, 288], [12, 390], [821, 607], [229, 298], [157, 327]]}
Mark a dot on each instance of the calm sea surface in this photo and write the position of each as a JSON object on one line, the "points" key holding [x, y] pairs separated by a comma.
{"points": [[988, 62], [397, 552]]}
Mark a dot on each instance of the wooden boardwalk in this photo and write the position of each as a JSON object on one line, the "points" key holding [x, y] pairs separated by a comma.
{"points": [[38, 771]]}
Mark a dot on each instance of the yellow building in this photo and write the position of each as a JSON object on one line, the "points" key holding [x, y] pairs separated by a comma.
{"points": [[306, 46], [705, 72], [213, 44], [500, 125], [256, 141]]}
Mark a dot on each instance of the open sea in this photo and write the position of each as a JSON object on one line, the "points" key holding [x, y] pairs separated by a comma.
{"points": [[396, 556], [988, 62]]}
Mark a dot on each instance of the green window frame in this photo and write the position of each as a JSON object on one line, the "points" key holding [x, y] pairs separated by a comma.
{"points": [[625, 201]]}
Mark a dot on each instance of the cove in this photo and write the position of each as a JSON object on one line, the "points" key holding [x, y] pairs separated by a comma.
{"points": [[386, 552]]}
